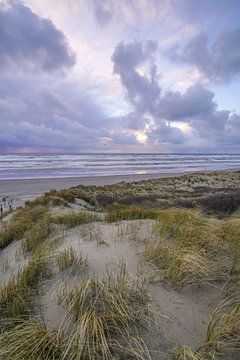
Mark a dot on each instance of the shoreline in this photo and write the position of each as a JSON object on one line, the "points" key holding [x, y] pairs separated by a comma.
{"points": [[27, 189]]}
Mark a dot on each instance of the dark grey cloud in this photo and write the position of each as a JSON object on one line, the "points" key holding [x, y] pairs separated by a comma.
{"points": [[29, 41], [218, 60]]}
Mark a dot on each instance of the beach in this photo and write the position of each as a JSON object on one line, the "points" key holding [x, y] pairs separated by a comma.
{"points": [[165, 243], [30, 188], [21, 190]]}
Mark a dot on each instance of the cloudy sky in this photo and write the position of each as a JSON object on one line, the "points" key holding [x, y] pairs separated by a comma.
{"points": [[120, 76]]}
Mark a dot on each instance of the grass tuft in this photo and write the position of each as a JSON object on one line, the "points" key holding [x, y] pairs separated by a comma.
{"points": [[37, 234], [74, 219], [29, 339], [16, 296], [22, 221], [117, 213], [180, 266], [186, 227], [105, 312], [68, 258]]}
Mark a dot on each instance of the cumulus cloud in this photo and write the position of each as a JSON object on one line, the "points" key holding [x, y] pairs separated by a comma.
{"points": [[29, 41], [76, 112], [63, 116], [196, 107], [196, 101], [142, 91], [103, 11], [203, 11], [218, 60]]}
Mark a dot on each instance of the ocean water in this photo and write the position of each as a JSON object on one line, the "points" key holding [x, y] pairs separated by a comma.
{"points": [[30, 166]]}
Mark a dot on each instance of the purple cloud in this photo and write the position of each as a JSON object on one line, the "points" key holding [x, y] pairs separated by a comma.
{"points": [[218, 60], [29, 41], [196, 106]]}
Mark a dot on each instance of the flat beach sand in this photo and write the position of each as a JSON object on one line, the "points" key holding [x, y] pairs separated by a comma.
{"points": [[31, 188], [28, 189]]}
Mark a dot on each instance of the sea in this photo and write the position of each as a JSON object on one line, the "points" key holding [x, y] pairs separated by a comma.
{"points": [[30, 166]]}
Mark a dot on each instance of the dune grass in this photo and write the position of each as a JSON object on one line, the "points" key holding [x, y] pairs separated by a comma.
{"points": [[180, 266], [118, 213], [193, 248], [29, 339], [222, 338], [21, 222], [37, 234], [105, 313], [74, 219], [229, 232], [223, 333], [61, 197], [185, 353], [186, 227], [68, 258], [16, 296]]}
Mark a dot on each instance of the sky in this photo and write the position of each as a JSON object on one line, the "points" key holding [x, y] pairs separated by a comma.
{"points": [[120, 76]]}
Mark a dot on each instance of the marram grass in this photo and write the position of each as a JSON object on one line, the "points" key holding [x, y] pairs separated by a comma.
{"points": [[37, 234], [118, 213], [68, 258], [185, 353], [16, 296], [74, 219], [21, 222], [29, 340], [223, 333], [186, 227], [229, 232], [222, 338], [105, 313], [180, 266]]}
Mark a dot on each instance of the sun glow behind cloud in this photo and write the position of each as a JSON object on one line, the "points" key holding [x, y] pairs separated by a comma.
{"points": [[141, 136], [120, 75]]}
